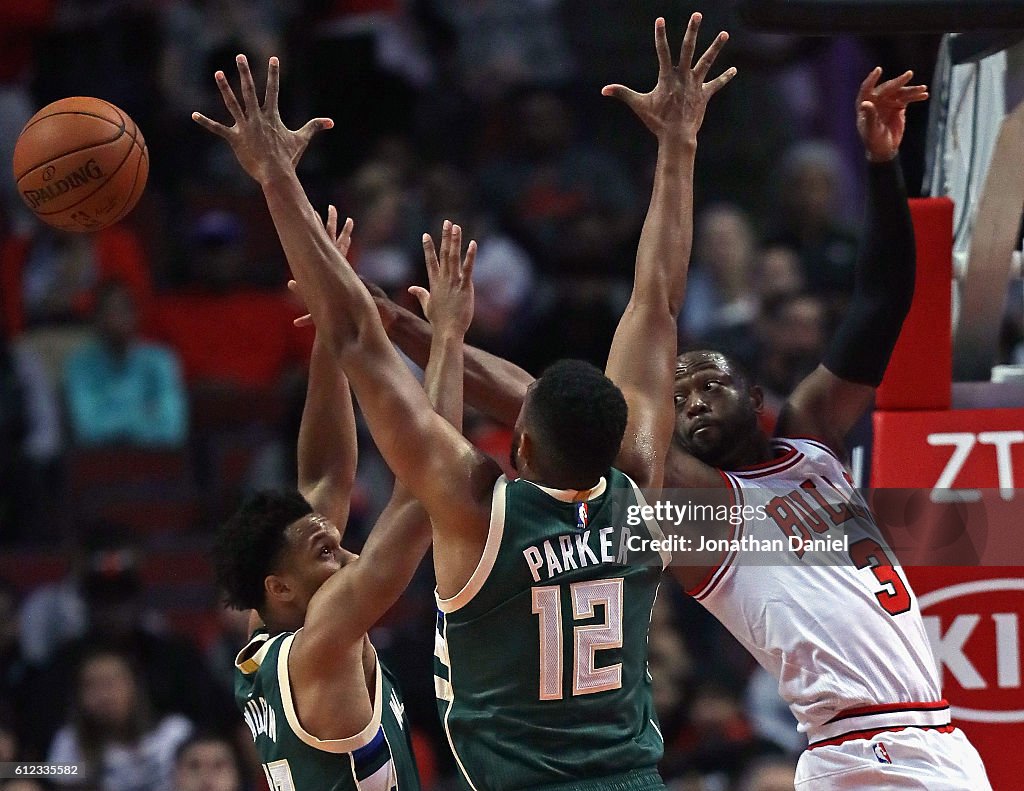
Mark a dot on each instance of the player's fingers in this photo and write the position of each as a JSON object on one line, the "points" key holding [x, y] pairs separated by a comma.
{"points": [[345, 238], [429, 255], [869, 113], [723, 79], [446, 239], [228, 96], [293, 286], [625, 95], [210, 125], [422, 296], [895, 83], [332, 223], [689, 41], [703, 66], [869, 83], [248, 86], [467, 265], [303, 321], [661, 47], [450, 267], [273, 84], [313, 126]]}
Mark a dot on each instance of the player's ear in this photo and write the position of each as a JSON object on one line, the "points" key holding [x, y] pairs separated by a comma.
{"points": [[277, 588], [525, 451], [757, 398]]}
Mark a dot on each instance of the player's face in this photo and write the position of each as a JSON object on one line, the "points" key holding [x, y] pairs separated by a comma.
{"points": [[715, 412], [315, 554]]}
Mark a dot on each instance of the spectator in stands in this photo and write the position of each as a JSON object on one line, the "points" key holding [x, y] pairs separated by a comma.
{"points": [[717, 741], [506, 288], [792, 334], [173, 671], [231, 335], [769, 714], [54, 614], [777, 271], [21, 25], [554, 191], [112, 733], [12, 659], [809, 184], [721, 303], [49, 277], [121, 389], [769, 774], [30, 439], [207, 763]]}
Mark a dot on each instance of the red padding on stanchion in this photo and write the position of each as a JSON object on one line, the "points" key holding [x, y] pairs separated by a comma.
{"points": [[956, 449], [920, 372]]}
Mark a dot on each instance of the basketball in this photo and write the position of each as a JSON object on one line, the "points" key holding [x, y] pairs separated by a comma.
{"points": [[81, 164]]}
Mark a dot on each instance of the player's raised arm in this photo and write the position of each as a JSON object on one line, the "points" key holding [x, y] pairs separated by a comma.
{"points": [[642, 356], [327, 432], [357, 596], [442, 469], [832, 398]]}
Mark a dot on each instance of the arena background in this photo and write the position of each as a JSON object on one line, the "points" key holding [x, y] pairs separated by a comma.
{"points": [[488, 112]]}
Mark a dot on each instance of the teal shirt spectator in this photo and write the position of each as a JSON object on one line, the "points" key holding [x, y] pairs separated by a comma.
{"points": [[137, 398]]}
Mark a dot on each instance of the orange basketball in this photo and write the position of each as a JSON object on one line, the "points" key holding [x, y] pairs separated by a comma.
{"points": [[81, 164]]}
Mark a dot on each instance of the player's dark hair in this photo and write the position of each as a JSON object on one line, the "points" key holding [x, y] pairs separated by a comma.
{"points": [[249, 545], [579, 416]]}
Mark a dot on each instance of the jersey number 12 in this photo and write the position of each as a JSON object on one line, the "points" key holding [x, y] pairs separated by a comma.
{"points": [[587, 678]]}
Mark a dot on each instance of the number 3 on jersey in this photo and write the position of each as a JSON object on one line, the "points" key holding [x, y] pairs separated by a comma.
{"points": [[894, 597], [586, 641]]}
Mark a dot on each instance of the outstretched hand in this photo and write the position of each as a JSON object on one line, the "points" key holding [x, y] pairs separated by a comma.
{"points": [[448, 305], [259, 138], [882, 112], [679, 100]]}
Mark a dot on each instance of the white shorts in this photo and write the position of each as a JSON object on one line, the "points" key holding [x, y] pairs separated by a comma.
{"points": [[927, 760]]}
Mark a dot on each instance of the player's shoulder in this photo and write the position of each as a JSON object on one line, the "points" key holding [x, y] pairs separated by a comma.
{"points": [[809, 447]]}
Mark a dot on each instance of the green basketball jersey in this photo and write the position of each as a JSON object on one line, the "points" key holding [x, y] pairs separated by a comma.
{"points": [[379, 758], [541, 659]]}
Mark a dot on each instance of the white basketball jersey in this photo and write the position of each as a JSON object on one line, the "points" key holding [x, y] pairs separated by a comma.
{"points": [[839, 627]]}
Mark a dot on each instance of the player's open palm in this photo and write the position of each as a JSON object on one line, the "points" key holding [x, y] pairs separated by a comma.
{"points": [[882, 112], [259, 138], [678, 101], [448, 305]]}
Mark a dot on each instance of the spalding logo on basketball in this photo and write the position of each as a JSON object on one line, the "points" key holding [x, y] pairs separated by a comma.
{"points": [[975, 631], [81, 164]]}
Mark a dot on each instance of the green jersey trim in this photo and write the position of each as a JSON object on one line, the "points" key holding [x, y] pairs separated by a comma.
{"points": [[250, 658], [451, 693], [573, 495], [352, 743], [486, 563]]}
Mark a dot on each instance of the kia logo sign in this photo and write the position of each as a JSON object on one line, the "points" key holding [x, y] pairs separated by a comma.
{"points": [[974, 629]]}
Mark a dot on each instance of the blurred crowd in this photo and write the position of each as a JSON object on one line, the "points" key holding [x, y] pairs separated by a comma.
{"points": [[150, 373]]}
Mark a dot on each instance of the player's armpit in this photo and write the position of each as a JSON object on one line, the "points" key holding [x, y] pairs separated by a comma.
{"points": [[826, 407]]}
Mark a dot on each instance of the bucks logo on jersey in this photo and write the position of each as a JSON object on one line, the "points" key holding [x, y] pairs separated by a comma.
{"points": [[378, 758], [541, 660]]}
